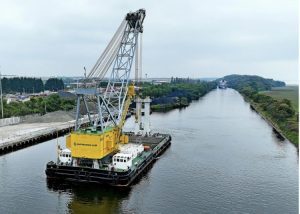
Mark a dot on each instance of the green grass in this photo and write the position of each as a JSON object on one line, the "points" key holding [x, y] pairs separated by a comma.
{"points": [[288, 92]]}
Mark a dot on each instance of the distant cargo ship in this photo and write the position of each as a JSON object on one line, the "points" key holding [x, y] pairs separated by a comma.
{"points": [[222, 84]]}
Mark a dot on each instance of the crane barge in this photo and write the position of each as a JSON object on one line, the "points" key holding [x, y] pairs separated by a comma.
{"points": [[102, 152]]}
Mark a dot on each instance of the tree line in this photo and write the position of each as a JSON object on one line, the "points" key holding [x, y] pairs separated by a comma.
{"points": [[184, 80], [256, 83], [30, 85], [176, 94]]}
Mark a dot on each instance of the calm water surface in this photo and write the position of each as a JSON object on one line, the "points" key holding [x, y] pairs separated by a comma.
{"points": [[223, 159]]}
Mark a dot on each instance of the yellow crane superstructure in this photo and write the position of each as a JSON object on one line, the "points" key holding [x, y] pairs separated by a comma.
{"points": [[106, 119], [93, 144]]}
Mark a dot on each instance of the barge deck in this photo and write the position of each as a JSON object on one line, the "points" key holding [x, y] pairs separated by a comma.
{"points": [[118, 178]]}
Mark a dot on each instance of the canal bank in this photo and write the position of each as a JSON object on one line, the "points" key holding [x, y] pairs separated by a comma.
{"points": [[15, 137], [276, 129], [282, 129], [18, 136], [224, 158]]}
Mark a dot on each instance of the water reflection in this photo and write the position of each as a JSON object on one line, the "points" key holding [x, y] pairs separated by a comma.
{"points": [[90, 198]]}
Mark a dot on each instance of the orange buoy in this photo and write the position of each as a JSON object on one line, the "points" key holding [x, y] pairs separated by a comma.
{"points": [[147, 148]]}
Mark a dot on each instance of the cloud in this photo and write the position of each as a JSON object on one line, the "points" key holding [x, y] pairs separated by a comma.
{"points": [[181, 38]]}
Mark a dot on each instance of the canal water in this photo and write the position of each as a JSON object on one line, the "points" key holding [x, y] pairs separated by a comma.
{"points": [[223, 159]]}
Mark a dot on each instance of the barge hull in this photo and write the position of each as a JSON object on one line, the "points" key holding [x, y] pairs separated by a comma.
{"points": [[105, 177]]}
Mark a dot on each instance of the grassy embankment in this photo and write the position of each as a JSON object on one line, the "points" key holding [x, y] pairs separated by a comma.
{"points": [[272, 100], [289, 128]]}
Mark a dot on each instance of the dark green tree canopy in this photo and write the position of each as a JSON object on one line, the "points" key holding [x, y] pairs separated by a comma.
{"points": [[22, 84], [54, 84], [256, 83]]}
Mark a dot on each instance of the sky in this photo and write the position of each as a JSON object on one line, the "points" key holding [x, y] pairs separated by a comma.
{"points": [[190, 38]]}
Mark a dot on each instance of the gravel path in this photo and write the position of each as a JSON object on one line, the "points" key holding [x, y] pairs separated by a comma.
{"points": [[52, 117]]}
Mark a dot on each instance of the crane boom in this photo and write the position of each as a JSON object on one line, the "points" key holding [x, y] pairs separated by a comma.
{"points": [[117, 86]]}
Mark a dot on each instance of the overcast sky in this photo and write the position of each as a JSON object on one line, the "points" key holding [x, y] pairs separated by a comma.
{"points": [[190, 38]]}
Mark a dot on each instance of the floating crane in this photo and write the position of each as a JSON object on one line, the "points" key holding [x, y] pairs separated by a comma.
{"points": [[101, 152], [105, 127]]}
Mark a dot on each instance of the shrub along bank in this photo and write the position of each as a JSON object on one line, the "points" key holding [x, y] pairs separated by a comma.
{"points": [[172, 95], [39, 105], [279, 112]]}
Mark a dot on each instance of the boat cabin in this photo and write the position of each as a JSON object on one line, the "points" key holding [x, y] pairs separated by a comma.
{"points": [[64, 156], [122, 161]]}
